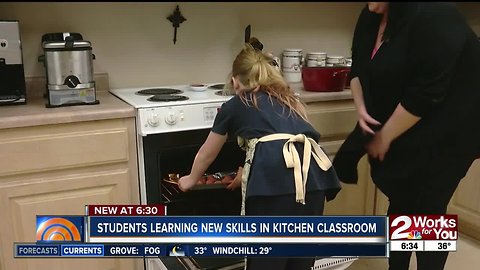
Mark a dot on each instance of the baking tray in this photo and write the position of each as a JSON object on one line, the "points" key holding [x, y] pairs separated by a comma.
{"points": [[201, 186]]}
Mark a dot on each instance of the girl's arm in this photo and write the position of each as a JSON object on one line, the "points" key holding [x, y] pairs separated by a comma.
{"points": [[205, 156]]}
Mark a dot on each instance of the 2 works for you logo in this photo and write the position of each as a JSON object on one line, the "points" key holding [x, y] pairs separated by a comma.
{"points": [[59, 229], [425, 227]]}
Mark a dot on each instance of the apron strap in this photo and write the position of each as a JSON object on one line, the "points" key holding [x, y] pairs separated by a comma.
{"points": [[292, 158]]}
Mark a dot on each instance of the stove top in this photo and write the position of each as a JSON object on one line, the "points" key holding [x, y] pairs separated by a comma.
{"points": [[224, 93], [166, 96], [158, 91]]}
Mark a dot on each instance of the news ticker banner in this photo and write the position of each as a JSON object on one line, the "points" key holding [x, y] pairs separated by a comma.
{"points": [[236, 229], [116, 226], [91, 250], [423, 232]]}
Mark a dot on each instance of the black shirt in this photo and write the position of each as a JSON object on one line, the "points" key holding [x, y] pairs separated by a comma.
{"points": [[269, 174], [431, 65]]}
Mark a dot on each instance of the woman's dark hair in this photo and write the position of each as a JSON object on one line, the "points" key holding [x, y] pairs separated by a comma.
{"points": [[398, 14]]}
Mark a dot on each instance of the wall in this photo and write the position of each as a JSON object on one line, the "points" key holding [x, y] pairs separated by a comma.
{"points": [[472, 14], [133, 41]]}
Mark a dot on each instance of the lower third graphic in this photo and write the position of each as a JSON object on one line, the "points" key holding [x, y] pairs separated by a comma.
{"points": [[59, 229], [176, 251]]}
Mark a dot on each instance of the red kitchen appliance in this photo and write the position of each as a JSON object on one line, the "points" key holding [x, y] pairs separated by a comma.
{"points": [[325, 79]]}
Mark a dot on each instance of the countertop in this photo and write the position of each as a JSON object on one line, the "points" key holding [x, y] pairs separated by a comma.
{"points": [[308, 97], [34, 113]]}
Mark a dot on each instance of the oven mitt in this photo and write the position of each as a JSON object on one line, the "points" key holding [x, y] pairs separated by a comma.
{"points": [[352, 150]]}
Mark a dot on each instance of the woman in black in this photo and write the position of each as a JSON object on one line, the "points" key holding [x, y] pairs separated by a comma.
{"points": [[416, 89], [266, 115]]}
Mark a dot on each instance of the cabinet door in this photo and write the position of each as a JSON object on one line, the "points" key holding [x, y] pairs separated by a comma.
{"points": [[334, 120], [58, 195], [466, 202], [57, 170], [353, 199]]}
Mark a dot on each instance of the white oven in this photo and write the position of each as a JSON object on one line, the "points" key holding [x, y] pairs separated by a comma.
{"points": [[172, 124]]}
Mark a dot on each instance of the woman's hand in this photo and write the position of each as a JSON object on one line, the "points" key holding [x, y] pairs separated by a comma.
{"points": [[364, 119], [237, 182], [378, 146], [186, 182], [400, 121]]}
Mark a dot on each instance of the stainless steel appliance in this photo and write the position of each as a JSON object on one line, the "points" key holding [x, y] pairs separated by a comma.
{"points": [[172, 124], [12, 77], [68, 62]]}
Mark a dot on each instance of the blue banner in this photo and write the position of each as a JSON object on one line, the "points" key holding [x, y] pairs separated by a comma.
{"points": [[238, 226], [196, 250]]}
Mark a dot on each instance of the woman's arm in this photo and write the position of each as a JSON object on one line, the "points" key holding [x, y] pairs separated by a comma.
{"points": [[357, 66], [436, 42], [205, 156], [400, 121], [363, 117]]}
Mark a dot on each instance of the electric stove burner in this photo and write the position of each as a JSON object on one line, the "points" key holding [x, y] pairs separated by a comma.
{"points": [[158, 91], [224, 93], [219, 86], [159, 98]]}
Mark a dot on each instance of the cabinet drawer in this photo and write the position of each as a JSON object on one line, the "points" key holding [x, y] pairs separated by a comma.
{"points": [[54, 147], [336, 118], [331, 147]]}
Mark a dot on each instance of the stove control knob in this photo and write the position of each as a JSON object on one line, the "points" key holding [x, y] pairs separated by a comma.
{"points": [[154, 121], [171, 118]]}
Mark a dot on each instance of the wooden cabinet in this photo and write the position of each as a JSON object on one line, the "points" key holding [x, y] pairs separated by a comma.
{"points": [[57, 170], [335, 120], [466, 202]]}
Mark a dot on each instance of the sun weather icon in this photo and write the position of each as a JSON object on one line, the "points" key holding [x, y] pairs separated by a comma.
{"points": [[54, 229], [414, 235]]}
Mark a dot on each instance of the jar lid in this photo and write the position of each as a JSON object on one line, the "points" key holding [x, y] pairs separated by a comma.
{"points": [[292, 50], [62, 44], [317, 53], [335, 57]]}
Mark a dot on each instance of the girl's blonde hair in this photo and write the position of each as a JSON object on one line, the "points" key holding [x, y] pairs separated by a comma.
{"points": [[256, 72]]}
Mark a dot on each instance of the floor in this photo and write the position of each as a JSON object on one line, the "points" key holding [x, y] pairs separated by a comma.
{"points": [[466, 257]]}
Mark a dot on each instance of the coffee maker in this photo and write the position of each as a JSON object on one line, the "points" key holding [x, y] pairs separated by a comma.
{"points": [[68, 62], [12, 76]]}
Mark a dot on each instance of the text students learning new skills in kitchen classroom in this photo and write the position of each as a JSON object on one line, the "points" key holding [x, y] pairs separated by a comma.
{"points": [[271, 125], [416, 86]]}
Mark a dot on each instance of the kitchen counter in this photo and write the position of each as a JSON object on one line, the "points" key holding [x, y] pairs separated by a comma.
{"points": [[307, 96], [34, 113]]}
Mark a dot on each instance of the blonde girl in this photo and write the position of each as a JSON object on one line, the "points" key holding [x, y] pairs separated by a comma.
{"points": [[281, 150]]}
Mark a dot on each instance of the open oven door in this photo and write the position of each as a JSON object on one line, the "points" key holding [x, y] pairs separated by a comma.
{"points": [[203, 263]]}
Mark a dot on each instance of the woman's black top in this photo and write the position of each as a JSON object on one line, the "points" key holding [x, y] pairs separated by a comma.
{"points": [[429, 63], [269, 174]]}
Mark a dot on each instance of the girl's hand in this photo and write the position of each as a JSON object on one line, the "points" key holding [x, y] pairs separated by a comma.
{"points": [[364, 119], [237, 182], [187, 182]]}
